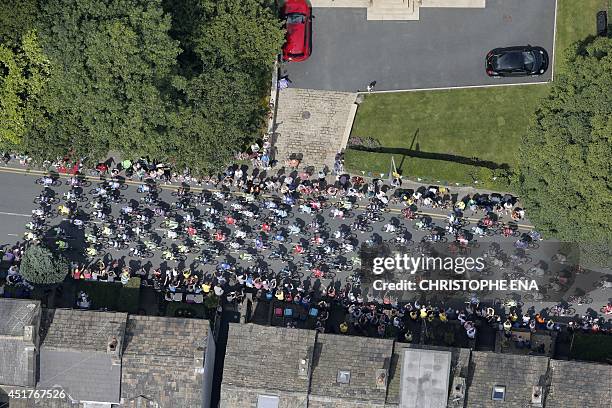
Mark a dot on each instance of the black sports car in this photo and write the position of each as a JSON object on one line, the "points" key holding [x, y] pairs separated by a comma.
{"points": [[517, 61]]}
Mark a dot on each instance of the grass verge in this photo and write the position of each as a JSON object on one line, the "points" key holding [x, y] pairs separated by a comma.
{"points": [[486, 124]]}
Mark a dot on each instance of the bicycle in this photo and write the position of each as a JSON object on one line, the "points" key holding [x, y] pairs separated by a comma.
{"points": [[580, 300], [560, 310]]}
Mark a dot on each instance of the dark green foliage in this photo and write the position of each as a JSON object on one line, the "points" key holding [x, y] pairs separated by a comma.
{"points": [[39, 265], [129, 296], [181, 81], [17, 17], [566, 158], [24, 73]]}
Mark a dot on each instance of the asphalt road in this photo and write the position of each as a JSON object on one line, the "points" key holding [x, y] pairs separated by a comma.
{"points": [[19, 190], [445, 48]]}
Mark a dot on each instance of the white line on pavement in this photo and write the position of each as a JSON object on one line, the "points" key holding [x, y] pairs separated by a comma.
{"points": [[15, 214], [447, 88], [13, 235]]}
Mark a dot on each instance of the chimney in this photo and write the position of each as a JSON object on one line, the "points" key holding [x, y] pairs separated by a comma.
{"points": [[303, 368], [28, 334], [381, 379], [113, 348], [537, 396]]}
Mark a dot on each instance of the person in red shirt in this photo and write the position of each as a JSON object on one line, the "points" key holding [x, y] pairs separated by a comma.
{"points": [[266, 227]]}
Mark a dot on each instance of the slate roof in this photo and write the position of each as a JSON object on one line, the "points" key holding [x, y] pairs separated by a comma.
{"points": [[73, 353], [265, 357], [517, 373], [17, 313], [361, 356], [17, 354], [576, 384], [460, 359], [163, 361], [84, 376], [80, 330]]}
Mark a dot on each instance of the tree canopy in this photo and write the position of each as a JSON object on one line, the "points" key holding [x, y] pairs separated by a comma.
{"points": [[566, 158], [39, 265], [24, 72], [182, 81]]}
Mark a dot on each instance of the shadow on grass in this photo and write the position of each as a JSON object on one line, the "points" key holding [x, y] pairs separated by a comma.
{"points": [[434, 156]]}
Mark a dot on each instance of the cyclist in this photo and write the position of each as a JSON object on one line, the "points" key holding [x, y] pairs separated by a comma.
{"points": [[279, 237], [113, 184], [259, 243], [47, 181], [63, 210], [240, 234], [219, 236], [229, 220], [294, 229], [61, 245], [38, 212], [265, 227], [298, 249], [143, 188], [521, 244], [305, 209], [347, 247], [270, 205], [29, 236], [478, 230], [281, 213], [288, 199], [77, 222], [507, 231], [422, 224], [337, 213], [389, 227]]}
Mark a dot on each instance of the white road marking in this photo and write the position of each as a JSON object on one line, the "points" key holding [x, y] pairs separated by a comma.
{"points": [[447, 88], [552, 61], [15, 214], [13, 235]]}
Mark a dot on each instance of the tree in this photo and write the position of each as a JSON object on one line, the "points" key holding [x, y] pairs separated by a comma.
{"points": [[39, 265], [566, 158], [17, 17], [111, 61], [240, 35], [24, 72]]}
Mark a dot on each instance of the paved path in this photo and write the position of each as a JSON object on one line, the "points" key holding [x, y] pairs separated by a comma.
{"points": [[313, 125]]}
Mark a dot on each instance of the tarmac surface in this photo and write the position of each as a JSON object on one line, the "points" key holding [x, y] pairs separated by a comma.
{"points": [[445, 48]]}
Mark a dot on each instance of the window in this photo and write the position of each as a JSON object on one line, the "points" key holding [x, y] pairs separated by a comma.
{"points": [[343, 377], [267, 401], [295, 18], [499, 393]]}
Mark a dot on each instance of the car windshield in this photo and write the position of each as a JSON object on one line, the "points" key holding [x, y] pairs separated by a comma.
{"points": [[514, 61], [295, 18], [528, 60]]}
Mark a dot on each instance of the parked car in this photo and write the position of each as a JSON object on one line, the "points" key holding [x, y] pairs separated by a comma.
{"points": [[298, 23], [516, 61]]}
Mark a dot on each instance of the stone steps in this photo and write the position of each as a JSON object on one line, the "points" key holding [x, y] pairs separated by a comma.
{"points": [[339, 3], [454, 3], [394, 10]]}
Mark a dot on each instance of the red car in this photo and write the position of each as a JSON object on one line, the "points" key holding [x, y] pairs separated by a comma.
{"points": [[298, 24]]}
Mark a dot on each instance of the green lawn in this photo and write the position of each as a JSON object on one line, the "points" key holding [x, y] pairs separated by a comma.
{"points": [[483, 123]]}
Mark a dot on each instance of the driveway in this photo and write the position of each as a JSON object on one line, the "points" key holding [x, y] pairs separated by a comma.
{"points": [[445, 48]]}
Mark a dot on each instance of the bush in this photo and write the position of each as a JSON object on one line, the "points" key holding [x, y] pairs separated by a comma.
{"points": [[129, 296], [40, 266], [103, 295]]}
